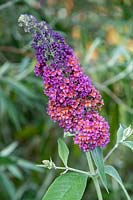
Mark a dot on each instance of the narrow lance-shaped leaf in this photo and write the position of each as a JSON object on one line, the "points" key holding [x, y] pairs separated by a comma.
{"points": [[69, 186], [63, 151], [9, 149], [15, 171], [7, 185], [10, 108], [128, 144], [19, 87], [4, 68], [27, 165], [7, 160], [119, 134], [98, 159], [110, 170], [127, 132]]}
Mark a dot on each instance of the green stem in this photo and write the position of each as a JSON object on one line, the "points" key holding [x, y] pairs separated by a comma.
{"points": [[110, 152], [70, 169], [74, 170], [95, 179]]}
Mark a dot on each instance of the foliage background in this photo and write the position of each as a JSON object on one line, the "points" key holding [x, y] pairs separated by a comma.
{"points": [[100, 31]]}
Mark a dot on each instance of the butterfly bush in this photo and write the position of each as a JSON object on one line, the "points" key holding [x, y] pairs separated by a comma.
{"points": [[73, 101]]}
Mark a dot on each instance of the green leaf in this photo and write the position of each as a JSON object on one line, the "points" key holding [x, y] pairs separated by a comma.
{"points": [[7, 185], [69, 186], [98, 159], [11, 109], [9, 149], [128, 144], [120, 134], [114, 174], [67, 134], [4, 68], [5, 160], [28, 165], [127, 132], [15, 171], [63, 151], [19, 87]]}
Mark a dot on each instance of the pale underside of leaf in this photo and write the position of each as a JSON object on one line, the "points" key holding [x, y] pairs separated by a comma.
{"points": [[110, 170], [98, 159], [63, 151], [128, 144]]}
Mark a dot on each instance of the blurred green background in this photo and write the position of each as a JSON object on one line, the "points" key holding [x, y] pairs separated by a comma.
{"points": [[100, 31]]}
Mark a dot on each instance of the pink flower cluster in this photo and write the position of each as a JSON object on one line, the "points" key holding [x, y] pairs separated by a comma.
{"points": [[73, 100]]}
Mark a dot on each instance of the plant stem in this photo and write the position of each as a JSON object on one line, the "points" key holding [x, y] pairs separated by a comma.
{"points": [[75, 170], [70, 169], [95, 179], [110, 152]]}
